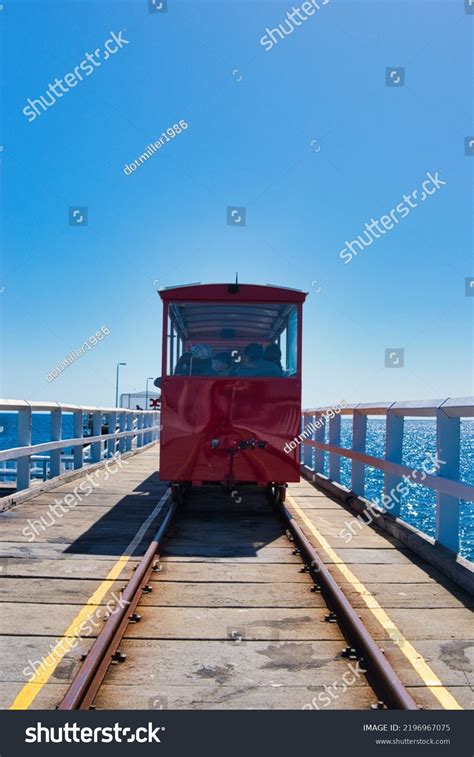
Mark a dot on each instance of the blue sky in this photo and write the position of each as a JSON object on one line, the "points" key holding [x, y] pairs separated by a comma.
{"points": [[253, 117]]}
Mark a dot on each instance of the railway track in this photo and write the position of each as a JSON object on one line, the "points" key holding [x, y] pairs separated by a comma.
{"points": [[246, 532]]}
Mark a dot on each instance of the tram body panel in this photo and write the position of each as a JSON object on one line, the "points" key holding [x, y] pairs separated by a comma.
{"points": [[205, 421]]}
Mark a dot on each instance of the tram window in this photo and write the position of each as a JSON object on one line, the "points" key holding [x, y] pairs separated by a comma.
{"points": [[232, 339]]}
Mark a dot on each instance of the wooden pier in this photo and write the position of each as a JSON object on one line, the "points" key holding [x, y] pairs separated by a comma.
{"points": [[231, 621]]}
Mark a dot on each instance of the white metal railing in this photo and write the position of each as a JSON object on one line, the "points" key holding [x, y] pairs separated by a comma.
{"points": [[126, 430], [445, 482]]}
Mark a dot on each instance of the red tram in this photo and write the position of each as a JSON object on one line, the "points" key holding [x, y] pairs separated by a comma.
{"points": [[231, 385]]}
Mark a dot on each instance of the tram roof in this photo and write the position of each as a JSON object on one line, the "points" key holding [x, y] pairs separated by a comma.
{"points": [[232, 292]]}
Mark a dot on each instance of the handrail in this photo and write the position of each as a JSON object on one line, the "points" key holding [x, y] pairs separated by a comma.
{"points": [[67, 408], [444, 480], [16, 452], [462, 407]]}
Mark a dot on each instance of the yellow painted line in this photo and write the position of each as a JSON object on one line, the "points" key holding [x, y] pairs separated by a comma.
{"points": [[49, 664], [429, 677]]}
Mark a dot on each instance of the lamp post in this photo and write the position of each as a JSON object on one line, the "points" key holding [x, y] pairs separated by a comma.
{"points": [[117, 384], [150, 378]]}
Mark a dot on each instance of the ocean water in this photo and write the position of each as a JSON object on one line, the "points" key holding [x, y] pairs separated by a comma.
{"points": [[417, 507], [40, 432], [40, 428]]}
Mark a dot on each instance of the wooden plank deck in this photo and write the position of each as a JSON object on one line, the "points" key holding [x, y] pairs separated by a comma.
{"points": [[429, 617], [231, 622]]}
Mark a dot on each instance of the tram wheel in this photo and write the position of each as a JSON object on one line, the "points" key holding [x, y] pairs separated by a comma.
{"points": [[280, 494], [177, 493], [276, 493]]}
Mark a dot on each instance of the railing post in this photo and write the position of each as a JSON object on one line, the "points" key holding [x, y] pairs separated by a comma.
{"points": [[140, 423], [129, 439], [393, 453], [122, 427], [78, 431], [96, 447], [24, 440], [306, 451], [448, 445], [319, 437], [112, 421], [359, 439], [308, 420], [56, 436], [145, 425], [313, 438], [335, 439]]}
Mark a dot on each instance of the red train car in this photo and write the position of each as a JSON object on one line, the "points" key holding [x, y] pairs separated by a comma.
{"points": [[231, 385]]}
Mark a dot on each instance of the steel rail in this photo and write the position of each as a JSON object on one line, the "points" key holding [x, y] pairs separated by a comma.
{"points": [[105, 650], [382, 677]]}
